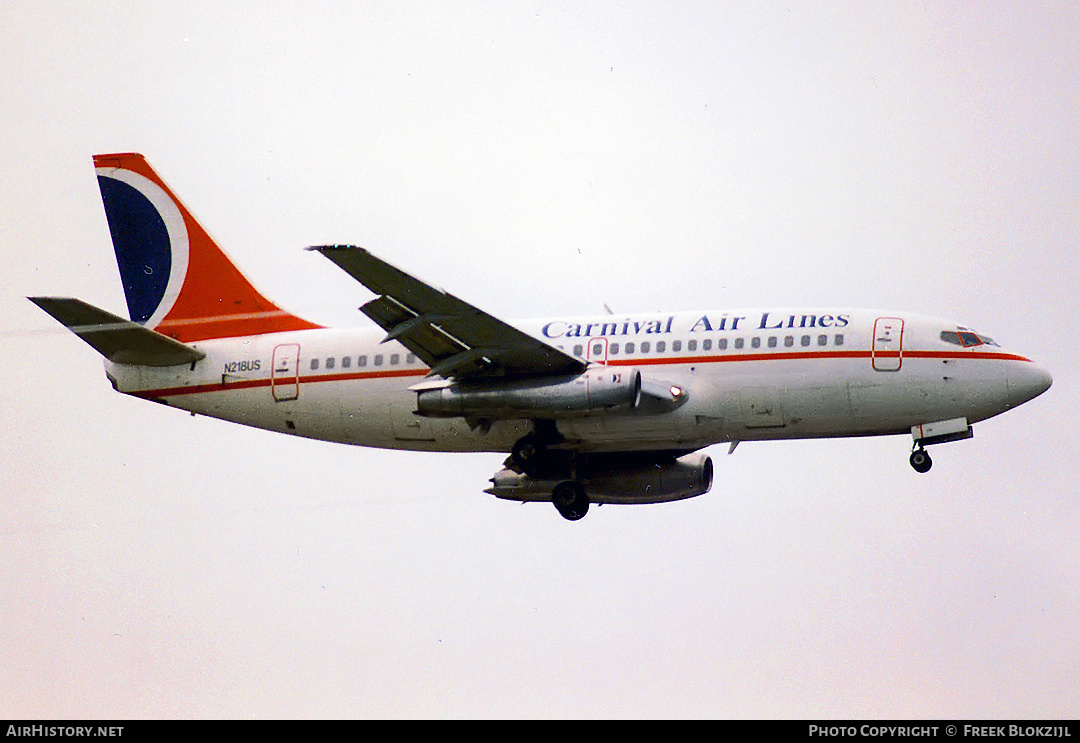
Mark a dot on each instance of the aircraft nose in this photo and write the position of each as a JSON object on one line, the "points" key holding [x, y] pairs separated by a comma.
{"points": [[1027, 381]]}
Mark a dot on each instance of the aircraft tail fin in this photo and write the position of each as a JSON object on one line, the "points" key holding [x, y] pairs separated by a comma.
{"points": [[176, 279], [115, 338]]}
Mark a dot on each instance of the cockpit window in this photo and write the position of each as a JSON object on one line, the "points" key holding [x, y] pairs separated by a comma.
{"points": [[966, 338]]}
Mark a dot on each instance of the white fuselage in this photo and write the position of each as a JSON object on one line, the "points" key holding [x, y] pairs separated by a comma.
{"points": [[746, 375]]}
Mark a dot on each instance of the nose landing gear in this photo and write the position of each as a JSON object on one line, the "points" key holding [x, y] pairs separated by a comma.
{"points": [[920, 460], [939, 432]]}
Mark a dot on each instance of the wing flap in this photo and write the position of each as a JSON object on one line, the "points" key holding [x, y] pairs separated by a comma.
{"points": [[119, 340], [421, 334], [451, 336]]}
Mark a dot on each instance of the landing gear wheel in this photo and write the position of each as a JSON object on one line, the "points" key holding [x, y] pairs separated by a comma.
{"points": [[570, 500], [920, 460], [528, 452]]}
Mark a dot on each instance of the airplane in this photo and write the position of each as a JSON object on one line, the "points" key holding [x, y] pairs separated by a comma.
{"points": [[613, 408]]}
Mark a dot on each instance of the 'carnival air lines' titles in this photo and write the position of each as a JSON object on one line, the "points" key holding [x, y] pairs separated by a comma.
{"points": [[705, 323]]}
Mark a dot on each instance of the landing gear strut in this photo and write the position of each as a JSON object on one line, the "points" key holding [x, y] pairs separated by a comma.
{"points": [[920, 460]]}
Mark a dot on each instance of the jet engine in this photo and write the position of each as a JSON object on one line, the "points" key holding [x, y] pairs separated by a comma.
{"points": [[617, 478], [593, 391]]}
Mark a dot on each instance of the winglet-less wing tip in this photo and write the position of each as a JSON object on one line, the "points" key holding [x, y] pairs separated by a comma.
{"points": [[321, 248]]}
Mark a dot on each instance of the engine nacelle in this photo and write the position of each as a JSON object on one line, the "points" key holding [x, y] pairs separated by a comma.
{"points": [[618, 478], [592, 392]]}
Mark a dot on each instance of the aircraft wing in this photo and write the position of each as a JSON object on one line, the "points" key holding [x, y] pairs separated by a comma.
{"points": [[451, 336]]}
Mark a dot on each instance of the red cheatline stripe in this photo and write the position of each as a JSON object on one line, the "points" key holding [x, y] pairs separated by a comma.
{"points": [[803, 355], [244, 384], [659, 361]]}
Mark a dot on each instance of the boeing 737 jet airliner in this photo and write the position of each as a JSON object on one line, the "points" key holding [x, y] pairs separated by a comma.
{"points": [[607, 409]]}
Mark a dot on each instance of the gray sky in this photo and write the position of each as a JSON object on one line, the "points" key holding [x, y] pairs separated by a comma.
{"points": [[542, 159]]}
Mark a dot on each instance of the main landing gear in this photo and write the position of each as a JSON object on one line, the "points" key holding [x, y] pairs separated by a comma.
{"points": [[920, 460], [531, 454], [570, 500]]}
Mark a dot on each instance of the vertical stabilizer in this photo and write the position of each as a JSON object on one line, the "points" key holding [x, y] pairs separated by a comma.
{"points": [[176, 279]]}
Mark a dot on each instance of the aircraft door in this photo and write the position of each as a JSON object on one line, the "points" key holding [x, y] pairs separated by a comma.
{"points": [[285, 372], [888, 350]]}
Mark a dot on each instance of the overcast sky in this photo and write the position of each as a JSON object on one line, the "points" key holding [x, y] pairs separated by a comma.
{"points": [[539, 159]]}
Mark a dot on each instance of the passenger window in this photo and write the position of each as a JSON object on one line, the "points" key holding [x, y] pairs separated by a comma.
{"points": [[822, 340], [629, 347], [676, 345], [755, 342], [706, 345], [772, 341], [691, 346], [804, 341], [738, 343], [361, 360], [597, 349], [613, 349], [314, 365], [330, 363], [346, 362], [789, 341], [645, 347], [410, 358], [395, 358], [578, 349], [722, 344], [839, 339], [660, 346], [378, 359]]}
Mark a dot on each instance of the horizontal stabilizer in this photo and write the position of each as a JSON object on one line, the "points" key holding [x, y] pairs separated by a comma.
{"points": [[117, 339]]}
